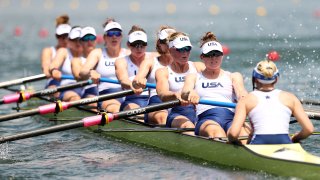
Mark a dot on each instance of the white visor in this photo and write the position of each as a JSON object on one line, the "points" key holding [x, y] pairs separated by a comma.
{"points": [[63, 29], [163, 34], [211, 46], [87, 30], [138, 36], [75, 33], [180, 42], [112, 25]]}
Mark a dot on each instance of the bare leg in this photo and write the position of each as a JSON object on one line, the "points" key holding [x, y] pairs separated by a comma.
{"points": [[71, 96], [158, 117], [112, 105], [211, 129], [183, 122]]}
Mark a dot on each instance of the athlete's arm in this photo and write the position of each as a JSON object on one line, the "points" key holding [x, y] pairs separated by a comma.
{"points": [[145, 68], [57, 63], [238, 85], [188, 93], [88, 69], [122, 73], [46, 60], [76, 65]]}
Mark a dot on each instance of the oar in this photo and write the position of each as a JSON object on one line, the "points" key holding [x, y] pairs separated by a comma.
{"points": [[150, 85], [23, 96], [312, 115], [154, 129], [61, 106], [310, 102], [90, 121], [22, 80]]}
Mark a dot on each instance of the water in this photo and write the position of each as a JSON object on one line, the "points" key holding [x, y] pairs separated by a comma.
{"points": [[290, 27]]}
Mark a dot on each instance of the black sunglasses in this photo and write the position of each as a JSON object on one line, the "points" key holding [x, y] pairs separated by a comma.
{"points": [[184, 49], [213, 53], [163, 41], [62, 36], [138, 44]]}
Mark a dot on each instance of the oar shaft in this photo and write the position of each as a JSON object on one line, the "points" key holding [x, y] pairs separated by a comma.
{"points": [[22, 80], [51, 108], [8, 117], [146, 109], [23, 96], [313, 115], [101, 98], [147, 130], [61, 88], [90, 121], [42, 131], [311, 102]]}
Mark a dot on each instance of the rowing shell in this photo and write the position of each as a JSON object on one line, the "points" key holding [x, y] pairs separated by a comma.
{"points": [[289, 160]]}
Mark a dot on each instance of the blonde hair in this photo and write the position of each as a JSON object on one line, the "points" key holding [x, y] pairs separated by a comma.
{"points": [[108, 20], [63, 19], [136, 28], [162, 28], [267, 68], [173, 36], [207, 37]]}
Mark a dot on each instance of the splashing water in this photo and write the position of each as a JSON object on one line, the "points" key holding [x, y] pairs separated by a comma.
{"points": [[4, 150]]}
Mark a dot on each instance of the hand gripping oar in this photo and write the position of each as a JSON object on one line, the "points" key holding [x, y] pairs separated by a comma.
{"points": [[102, 119], [61, 106], [312, 115], [23, 96], [22, 80], [150, 85]]}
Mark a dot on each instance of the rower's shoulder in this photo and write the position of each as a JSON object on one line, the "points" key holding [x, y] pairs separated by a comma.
{"points": [[96, 51], [200, 66], [62, 51], [47, 49]]}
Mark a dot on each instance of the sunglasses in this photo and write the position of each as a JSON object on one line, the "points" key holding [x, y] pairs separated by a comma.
{"points": [[213, 53], [163, 41], [184, 49], [62, 36], [89, 38], [113, 33], [138, 44]]}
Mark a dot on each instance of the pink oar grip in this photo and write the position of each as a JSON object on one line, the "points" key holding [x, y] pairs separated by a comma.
{"points": [[51, 108], [14, 98], [91, 121], [95, 120]]}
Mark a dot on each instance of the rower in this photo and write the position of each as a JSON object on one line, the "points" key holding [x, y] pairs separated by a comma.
{"points": [[88, 43], [62, 30], [61, 64], [147, 73], [100, 63], [215, 84], [269, 110], [170, 81], [128, 66]]}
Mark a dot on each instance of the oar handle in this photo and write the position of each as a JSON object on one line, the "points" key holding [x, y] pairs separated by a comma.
{"points": [[17, 97]]}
